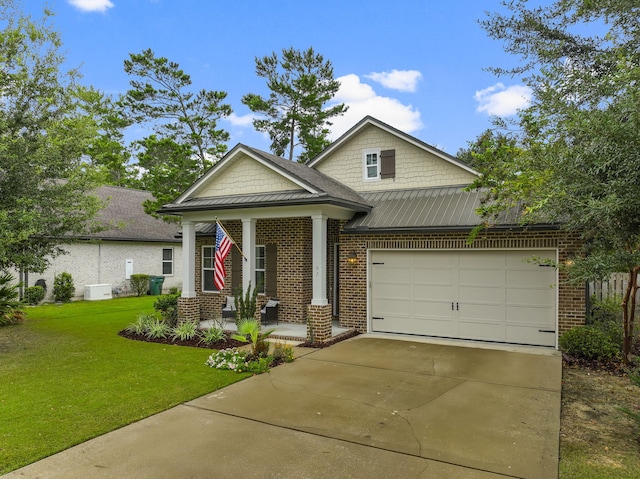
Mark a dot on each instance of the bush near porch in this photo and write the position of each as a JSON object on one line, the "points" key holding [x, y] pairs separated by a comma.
{"points": [[67, 377]]}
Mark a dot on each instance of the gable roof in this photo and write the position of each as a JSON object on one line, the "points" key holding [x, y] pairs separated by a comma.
{"points": [[371, 121], [315, 187], [125, 218]]}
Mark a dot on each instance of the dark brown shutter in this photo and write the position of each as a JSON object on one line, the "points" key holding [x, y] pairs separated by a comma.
{"points": [[387, 164], [236, 268], [271, 270]]}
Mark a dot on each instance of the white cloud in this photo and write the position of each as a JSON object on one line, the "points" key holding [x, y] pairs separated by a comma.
{"points": [[402, 80], [500, 100], [92, 5], [362, 100], [244, 120]]}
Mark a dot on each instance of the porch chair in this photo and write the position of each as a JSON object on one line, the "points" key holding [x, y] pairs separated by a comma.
{"points": [[229, 308], [269, 313]]}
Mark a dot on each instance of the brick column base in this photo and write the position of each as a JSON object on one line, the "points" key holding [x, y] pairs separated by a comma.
{"points": [[319, 323], [188, 309]]}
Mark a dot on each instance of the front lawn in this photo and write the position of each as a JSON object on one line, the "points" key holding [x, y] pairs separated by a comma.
{"points": [[597, 439], [66, 376]]}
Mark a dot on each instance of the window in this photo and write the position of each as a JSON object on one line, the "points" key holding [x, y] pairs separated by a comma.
{"points": [[371, 164], [261, 266], [208, 262], [167, 261]]}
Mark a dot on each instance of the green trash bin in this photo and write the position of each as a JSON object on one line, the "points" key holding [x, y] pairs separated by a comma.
{"points": [[155, 285]]}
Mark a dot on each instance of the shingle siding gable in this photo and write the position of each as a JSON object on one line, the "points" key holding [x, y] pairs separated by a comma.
{"points": [[414, 166]]}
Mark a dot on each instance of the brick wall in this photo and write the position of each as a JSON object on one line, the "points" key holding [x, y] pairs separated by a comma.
{"points": [[353, 288], [293, 237]]}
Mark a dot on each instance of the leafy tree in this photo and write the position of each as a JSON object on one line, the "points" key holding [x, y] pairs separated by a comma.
{"points": [[44, 184], [186, 140], [580, 137], [486, 144], [108, 153], [301, 84]]}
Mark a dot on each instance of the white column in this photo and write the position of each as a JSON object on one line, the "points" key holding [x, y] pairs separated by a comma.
{"points": [[188, 259], [319, 260], [249, 250]]}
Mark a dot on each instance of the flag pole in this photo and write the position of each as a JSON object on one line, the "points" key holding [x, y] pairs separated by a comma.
{"points": [[231, 238]]}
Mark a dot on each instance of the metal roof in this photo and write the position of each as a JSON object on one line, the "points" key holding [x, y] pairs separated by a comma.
{"points": [[440, 208]]}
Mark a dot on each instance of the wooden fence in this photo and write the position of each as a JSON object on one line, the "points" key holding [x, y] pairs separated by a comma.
{"points": [[615, 287]]}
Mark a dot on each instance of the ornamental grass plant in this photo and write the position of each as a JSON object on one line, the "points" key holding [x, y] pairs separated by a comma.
{"points": [[67, 377]]}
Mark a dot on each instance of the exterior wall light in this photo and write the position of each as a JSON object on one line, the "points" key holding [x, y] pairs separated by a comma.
{"points": [[352, 258]]}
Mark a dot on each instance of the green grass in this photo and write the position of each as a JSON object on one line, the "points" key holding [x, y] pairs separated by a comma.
{"points": [[582, 463], [66, 376]]}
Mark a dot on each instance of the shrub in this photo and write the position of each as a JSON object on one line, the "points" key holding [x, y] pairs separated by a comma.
{"points": [[63, 288], [10, 305], [587, 342], [139, 284], [157, 329], [185, 331], [212, 335], [33, 295], [167, 305], [245, 306], [607, 309], [284, 352], [141, 325], [249, 332]]}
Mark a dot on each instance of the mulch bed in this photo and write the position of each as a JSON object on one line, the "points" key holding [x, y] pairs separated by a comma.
{"points": [[194, 343], [615, 368], [228, 342]]}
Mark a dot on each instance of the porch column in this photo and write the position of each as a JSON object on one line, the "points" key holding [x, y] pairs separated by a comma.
{"points": [[188, 306], [249, 249], [319, 260], [188, 259]]}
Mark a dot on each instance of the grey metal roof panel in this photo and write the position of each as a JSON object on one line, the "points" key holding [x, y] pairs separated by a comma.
{"points": [[425, 208]]}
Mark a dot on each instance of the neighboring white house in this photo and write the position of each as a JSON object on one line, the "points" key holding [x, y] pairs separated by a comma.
{"points": [[133, 243]]}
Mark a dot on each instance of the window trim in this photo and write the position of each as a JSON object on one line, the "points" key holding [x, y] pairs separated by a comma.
{"points": [[212, 268], [365, 167], [171, 261], [264, 270]]}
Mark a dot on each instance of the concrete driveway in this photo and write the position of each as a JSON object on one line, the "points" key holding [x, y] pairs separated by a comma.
{"points": [[364, 408]]}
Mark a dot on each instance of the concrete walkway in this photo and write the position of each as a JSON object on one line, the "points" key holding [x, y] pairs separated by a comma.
{"points": [[364, 408]]}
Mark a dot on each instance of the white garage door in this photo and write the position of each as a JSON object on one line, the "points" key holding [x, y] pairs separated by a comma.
{"points": [[483, 295]]}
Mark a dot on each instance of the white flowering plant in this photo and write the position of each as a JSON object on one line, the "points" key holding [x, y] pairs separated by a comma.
{"points": [[239, 361], [231, 358]]}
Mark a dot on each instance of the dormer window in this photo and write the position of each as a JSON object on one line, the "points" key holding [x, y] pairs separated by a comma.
{"points": [[371, 165]]}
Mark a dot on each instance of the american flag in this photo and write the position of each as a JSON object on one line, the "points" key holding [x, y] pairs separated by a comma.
{"points": [[223, 246]]}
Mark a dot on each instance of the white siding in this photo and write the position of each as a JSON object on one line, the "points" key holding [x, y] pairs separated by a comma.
{"points": [[104, 262]]}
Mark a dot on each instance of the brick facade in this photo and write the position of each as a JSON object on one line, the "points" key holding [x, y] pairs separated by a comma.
{"points": [[319, 325], [353, 287], [293, 237]]}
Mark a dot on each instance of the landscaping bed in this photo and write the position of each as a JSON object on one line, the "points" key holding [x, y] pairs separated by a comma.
{"points": [[194, 343]]}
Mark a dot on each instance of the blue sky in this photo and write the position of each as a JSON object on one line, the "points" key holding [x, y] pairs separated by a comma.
{"points": [[417, 65]]}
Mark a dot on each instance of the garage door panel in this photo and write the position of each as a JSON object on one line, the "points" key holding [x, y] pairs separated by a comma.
{"points": [[496, 295], [532, 297], [530, 335], [541, 315], [480, 293], [482, 330]]}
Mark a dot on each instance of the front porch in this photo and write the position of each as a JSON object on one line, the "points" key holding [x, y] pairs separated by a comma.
{"points": [[294, 332]]}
